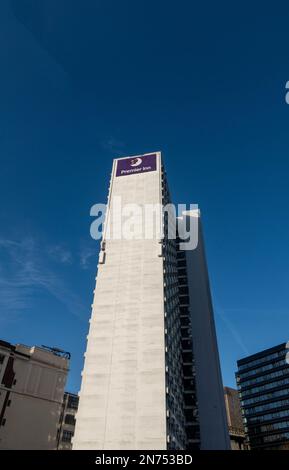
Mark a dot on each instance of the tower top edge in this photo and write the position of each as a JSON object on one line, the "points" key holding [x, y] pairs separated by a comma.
{"points": [[155, 152]]}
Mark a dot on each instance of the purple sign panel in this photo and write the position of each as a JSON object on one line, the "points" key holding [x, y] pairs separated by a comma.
{"points": [[140, 164]]}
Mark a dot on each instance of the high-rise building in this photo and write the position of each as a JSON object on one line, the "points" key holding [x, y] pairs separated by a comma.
{"points": [[263, 383], [151, 377], [235, 420], [67, 421], [32, 382]]}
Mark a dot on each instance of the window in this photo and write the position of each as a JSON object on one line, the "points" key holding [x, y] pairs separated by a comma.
{"points": [[267, 406], [2, 358], [264, 378], [66, 436], [265, 358], [268, 417], [187, 357], [188, 384], [187, 371], [189, 414], [185, 321], [268, 386], [187, 344], [182, 272], [184, 310], [185, 300], [261, 369], [189, 400], [69, 419], [186, 332], [72, 402], [182, 263], [268, 396], [184, 290]]}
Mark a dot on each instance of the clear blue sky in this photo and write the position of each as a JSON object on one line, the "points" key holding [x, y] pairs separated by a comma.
{"points": [[84, 82]]}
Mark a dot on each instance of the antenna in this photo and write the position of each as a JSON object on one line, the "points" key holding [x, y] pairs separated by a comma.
{"points": [[57, 351]]}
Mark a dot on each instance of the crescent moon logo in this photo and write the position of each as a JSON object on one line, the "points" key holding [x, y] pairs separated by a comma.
{"points": [[135, 161]]}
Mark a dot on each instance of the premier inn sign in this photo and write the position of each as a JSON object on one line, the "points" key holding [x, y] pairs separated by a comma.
{"points": [[140, 164]]}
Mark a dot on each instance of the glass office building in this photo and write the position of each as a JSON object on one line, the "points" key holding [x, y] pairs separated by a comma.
{"points": [[263, 383]]}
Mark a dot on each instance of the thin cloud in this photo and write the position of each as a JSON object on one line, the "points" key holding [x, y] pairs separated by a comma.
{"points": [[25, 270], [60, 254], [233, 330], [113, 145], [86, 255]]}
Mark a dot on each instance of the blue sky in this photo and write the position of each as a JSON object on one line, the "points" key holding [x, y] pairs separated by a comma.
{"points": [[81, 84]]}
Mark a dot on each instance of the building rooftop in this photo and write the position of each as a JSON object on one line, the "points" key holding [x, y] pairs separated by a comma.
{"points": [[260, 354], [51, 356]]}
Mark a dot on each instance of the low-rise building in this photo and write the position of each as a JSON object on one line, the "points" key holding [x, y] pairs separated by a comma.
{"points": [[67, 421], [32, 381], [235, 421]]}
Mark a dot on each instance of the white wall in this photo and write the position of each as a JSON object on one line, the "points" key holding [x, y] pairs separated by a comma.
{"points": [[122, 397]]}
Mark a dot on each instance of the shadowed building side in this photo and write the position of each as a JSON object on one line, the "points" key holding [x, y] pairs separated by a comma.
{"points": [[207, 372]]}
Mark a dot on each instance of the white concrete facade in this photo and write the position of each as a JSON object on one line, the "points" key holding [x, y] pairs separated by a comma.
{"points": [[123, 392], [137, 372]]}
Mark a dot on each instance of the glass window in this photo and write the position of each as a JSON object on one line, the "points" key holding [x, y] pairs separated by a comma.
{"points": [[267, 396], [267, 406], [261, 369], [261, 360], [69, 419], [263, 378], [2, 357], [67, 436], [261, 388], [72, 402]]}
